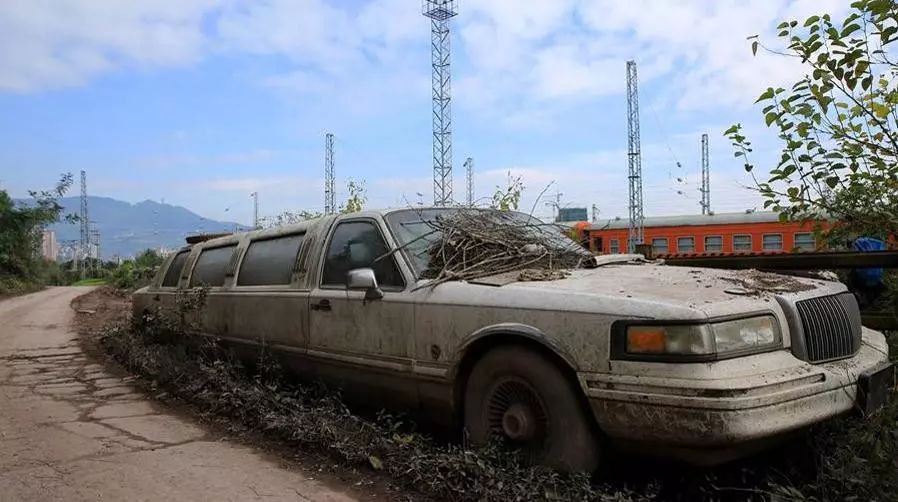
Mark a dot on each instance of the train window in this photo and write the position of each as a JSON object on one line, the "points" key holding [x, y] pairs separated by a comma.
{"points": [[685, 244], [170, 280], [211, 266], [772, 242], [713, 244], [805, 241], [270, 261], [659, 245], [741, 243], [614, 246]]}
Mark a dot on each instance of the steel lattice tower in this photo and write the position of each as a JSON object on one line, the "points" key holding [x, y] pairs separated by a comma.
{"points": [[634, 160], [706, 177], [469, 181], [329, 206], [440, 13], [84, 250]]}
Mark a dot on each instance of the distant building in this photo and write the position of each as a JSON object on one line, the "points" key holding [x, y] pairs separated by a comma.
{"points": [[49, 246], [567, 214]]}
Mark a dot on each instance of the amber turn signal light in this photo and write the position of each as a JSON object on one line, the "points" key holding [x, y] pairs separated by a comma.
{"points": [[646, 340]]}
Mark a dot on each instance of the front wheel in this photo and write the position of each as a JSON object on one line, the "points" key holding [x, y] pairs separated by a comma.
{"points": [[520, 397]]}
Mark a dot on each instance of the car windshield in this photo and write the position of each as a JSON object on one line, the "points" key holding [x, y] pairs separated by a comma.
{"points": [[416, 235]]}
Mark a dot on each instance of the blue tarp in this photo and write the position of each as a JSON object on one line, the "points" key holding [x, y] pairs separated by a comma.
{"points": [[869, 277]]}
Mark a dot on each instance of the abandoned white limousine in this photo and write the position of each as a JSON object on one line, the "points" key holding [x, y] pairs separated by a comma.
{"points": [[617, 351]]}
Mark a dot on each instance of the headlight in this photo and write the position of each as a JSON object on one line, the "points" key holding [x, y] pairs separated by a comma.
{"points": [[746, 334], [703, 341]]}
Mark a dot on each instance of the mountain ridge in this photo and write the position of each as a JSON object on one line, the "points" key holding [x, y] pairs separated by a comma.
{"points": [[128, 228]]}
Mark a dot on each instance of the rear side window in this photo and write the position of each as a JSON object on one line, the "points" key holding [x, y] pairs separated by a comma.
{"points": [[174, 270], [270, 261], [211, 266]]}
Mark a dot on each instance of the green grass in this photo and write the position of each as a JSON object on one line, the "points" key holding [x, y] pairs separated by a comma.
{"points": [[91, 282]]}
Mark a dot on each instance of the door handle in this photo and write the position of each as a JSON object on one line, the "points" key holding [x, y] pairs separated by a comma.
{"points": [[324, 305]]}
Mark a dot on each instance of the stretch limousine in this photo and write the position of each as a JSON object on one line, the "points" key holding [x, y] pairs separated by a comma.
{"points": [[701, 364]]}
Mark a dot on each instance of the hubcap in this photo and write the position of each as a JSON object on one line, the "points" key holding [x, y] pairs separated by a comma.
{"points": [[516, 412], [518, 423]]}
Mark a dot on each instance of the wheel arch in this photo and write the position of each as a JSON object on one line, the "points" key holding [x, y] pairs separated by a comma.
{"points": [[486, 339]]}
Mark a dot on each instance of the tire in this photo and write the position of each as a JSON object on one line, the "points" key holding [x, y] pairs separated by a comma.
{"points": [[520, 397]]}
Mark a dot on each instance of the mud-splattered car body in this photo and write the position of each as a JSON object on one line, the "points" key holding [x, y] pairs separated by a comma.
{"points": [[413, 347]]}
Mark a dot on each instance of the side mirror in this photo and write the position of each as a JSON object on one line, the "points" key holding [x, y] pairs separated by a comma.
{"points": [[363, 279]]}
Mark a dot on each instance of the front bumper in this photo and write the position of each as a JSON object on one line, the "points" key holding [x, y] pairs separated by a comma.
{"points": [[725, 404]]}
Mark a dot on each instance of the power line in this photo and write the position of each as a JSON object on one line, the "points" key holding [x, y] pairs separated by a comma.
{"points": [[440, 13]]}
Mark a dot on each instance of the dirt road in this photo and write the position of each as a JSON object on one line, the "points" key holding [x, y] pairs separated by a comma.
{"points": [[70, 431]]}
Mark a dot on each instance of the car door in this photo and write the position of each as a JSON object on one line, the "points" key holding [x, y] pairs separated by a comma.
{"points": [[363, 346], [268, 300]]}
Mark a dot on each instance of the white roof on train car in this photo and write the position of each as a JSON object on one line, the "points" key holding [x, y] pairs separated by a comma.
{"points": [[692, 220]]}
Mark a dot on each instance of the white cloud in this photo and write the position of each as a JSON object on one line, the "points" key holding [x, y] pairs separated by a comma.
{"points": [[521, 57], [69, 42]]}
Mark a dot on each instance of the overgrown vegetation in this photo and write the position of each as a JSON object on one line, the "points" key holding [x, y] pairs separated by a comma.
{"points": [[508, 198], [136, 273], [167, 352], [22, 268], [838, 124]]}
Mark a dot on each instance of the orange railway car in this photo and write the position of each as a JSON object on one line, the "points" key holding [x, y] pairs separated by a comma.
{"points": [[722, 233]]}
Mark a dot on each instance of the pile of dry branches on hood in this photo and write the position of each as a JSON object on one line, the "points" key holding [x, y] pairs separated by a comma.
{"points": [[469, 244]]}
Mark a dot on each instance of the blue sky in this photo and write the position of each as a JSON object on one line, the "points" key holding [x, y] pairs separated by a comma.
{"points": [[201, 102]]}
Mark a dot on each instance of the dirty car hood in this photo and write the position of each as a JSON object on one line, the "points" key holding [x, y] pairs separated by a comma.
{"points": [[696, 288]]}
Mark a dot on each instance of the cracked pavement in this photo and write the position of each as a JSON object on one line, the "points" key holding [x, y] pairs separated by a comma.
{"points": [[70, 430]]}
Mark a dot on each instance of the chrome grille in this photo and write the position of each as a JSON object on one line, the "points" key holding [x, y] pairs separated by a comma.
{"points": [[831, 325]]}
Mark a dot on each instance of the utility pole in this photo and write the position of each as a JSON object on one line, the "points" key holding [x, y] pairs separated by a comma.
{"points": [[706, 177], [95, 234], [595, 212], [634, 161], [84, 245], [329, 205], [469, 181], [440, 13], [255, 196]]}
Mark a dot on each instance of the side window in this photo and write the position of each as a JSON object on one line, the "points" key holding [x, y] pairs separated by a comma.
{"points": [[713, 244], [685, 244], [211, 266], [355, 244], [772, 242], [174, 270], [269, 262], [659, 245], [741, 243], [614, 246]]}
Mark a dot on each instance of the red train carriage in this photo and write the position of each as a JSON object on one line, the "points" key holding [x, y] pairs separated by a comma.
{"points": [[722, 233]]}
